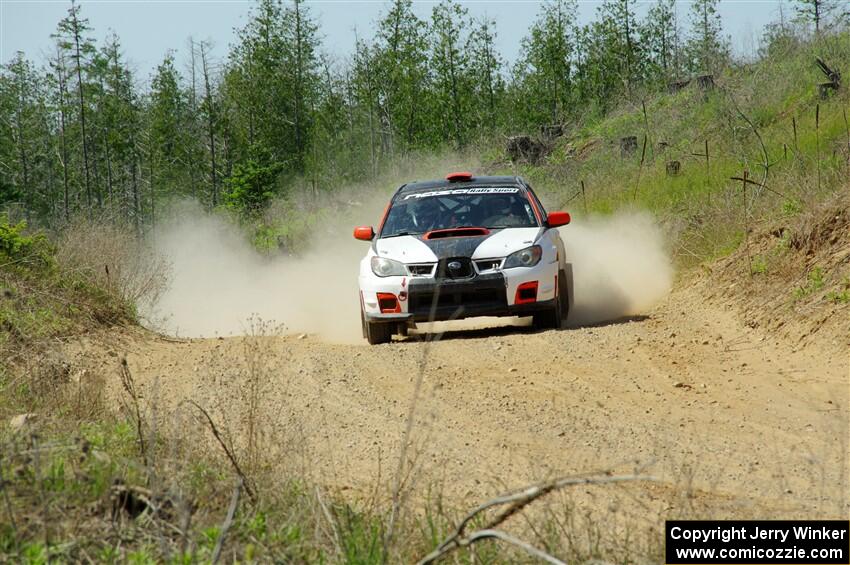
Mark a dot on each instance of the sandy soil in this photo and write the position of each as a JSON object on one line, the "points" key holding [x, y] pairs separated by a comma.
{"points": [[722, 414]]}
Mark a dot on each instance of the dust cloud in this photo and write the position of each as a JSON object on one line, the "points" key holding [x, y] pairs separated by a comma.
{"points": [[219, 281], [621, 266]]}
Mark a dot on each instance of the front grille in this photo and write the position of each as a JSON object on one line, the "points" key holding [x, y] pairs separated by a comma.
{"points": [[455, 268], [488, 264], [422, 302], [423, 270], [477, 295]]}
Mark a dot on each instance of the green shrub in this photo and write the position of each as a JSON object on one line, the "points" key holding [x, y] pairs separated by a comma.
{"points": [[814, 282], [17, 247], [759, 266], [841, 295], [251, 186]]}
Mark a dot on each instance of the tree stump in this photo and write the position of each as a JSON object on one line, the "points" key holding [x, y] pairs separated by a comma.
{"points": [[524, 148], [673, 168], [825, 89], [628, 145], [552, 131], [518, 146], [705, 82], [677, 85], [832, 75]]}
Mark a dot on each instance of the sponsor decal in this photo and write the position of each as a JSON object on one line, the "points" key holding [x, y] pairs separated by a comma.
{"points": [[480, 190]]}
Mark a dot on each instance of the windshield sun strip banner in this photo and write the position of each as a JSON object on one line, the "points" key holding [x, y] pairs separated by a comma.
{"points": [[449, 192]]}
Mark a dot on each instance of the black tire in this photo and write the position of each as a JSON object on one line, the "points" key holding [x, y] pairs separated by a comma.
{"points": [[550, 318], [565, 284], [553, 317], [377, 333]]}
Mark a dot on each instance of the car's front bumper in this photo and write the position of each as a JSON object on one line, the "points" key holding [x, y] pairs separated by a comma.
{"points": [[428, 299], [463, 311]]}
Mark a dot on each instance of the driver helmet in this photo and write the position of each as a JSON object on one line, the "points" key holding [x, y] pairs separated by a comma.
{"points": [[425, 213], [499, 205]]}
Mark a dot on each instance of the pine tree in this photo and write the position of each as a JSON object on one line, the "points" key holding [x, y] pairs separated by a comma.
{"points": [[58, 80], [300, 34], [816, 11], [210, 111], [660, 36], [485, 68], [544, 70], [618, 20], [18, 89], [26, 156], [707, 48], [167, 119], [400, 67], [71, 33], [255, 86], [449, 66], [363, 96]]}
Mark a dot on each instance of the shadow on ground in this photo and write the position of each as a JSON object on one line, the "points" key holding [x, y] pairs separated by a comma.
{"points": [[519, 326]]}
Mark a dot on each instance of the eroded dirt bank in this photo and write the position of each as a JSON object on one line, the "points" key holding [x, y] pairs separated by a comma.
{"points": [[731, 420]]}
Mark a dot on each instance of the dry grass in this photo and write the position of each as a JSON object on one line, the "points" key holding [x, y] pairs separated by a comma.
{"points": [[224, 478], [113, 258]]}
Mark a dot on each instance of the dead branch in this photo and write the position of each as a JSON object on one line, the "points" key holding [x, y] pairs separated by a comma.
{"points": [[765, 156], [750, 181], [399, 478], [516, 502], [507, 538], [227, 451], [640, 170], [4, 486], [228, 521], [130, 388], [327, 514], [833, 76]]}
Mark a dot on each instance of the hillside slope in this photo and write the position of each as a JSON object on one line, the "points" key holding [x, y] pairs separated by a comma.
{"points": [[688, 146]]}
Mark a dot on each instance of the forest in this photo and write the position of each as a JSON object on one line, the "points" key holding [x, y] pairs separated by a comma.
{"points": [[81, 135]]}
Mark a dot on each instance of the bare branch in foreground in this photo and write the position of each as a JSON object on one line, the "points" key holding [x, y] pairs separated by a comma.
{"points": [[516, 502], [227, 451], [130, 388], [228, 521]]}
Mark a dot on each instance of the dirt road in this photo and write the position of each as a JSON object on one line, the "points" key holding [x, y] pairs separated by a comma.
{"points": [[715, 409]]}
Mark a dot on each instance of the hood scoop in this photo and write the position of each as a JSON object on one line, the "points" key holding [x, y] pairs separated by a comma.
{"points": [[456, 232]]}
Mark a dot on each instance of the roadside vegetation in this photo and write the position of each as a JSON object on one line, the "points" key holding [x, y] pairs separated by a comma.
{"points": [[743, 160]]}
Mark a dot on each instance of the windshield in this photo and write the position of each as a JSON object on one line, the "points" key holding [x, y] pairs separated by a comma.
{"points": [[483, 207]]}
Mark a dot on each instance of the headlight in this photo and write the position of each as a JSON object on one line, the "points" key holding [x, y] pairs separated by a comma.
{"points": [[527, 257], [384, 267]]}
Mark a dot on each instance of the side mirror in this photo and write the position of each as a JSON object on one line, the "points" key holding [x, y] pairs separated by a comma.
{"points": [[556, 219], [364, 233]]}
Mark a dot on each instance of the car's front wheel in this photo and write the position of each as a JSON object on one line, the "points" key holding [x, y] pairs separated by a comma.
{"points": [[554, 316], [376, 332]]}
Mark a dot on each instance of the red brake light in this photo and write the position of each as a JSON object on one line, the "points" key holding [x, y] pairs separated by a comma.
{"points": [[459, 177]]}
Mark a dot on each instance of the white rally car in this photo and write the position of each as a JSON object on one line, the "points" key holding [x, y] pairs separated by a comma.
{"points": [[459, 248]]}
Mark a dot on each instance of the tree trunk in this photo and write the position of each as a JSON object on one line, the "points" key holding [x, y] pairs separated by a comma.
{"points": [[78, 60], [193, 117], [60, 75], [22, 151], [210, 124], [137, 212]]}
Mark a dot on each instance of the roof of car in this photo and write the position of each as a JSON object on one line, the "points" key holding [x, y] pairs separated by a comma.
{"points": [[416, 186]]}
